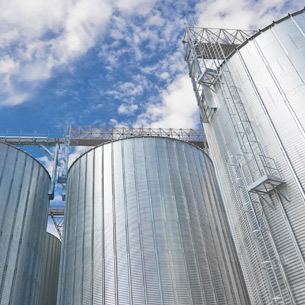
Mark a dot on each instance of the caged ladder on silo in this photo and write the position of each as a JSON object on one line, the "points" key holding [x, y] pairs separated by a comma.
{"points": [[254, 175]]}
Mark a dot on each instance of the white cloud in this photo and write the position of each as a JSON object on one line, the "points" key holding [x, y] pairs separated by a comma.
{"points": [[131, 89], [165, 75], [76, 152], [155, 20], [242, 14], [127, 91], [47, 163], [8, 65], [177, 110], [127, 108], [40, 35], [36, 36], [141, 7], [114, 123], [14, 98]]}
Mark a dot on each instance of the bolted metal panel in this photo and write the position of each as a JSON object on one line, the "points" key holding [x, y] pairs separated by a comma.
{"points": [[50, 270], [23, 218], [144, 224], [264, 77]]}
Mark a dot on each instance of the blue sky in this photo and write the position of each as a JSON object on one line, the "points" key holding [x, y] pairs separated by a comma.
{"points": [[108, 63]]}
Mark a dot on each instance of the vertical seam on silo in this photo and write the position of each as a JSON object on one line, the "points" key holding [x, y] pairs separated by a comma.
{"points": [[32, 221], [152, 222], [63, 254], [213, 233], [189, 214], [43, 235], [103, 225], [165, 218], [92, 278], [207, 250], [202, 227], [13, 223], [139, 223], [8, 194], [126, 224], [49, 260], [197, 213], [177, 214], [22, 231], [2, 170], [114, 228], [219, 217], [230, 247], [82, 267], [32, 207], [75, 234]]}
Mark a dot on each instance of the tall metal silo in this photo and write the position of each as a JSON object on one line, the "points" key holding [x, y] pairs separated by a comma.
{"points": [[50, 271], [145, 224], [23, 218], [250, 91]]}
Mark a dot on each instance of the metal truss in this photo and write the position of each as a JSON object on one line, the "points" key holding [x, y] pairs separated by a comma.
{"points": [[91, 136], [203, 38], [87, 136]]}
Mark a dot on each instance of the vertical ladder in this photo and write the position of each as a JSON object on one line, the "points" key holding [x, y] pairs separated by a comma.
{"points": [[257, 176], [257, 166]]}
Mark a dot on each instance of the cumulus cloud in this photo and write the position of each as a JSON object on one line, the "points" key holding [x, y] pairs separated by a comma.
{"points": [[76, 152], [178, 108], [127, 108], [128, 91], [37, 36], [47, 163], [142, 7], [242, 14]]}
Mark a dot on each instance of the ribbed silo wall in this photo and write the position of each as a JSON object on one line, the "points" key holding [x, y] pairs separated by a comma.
{"points": [[268, 71], [145, 224], [23, 219], [50, 271]]}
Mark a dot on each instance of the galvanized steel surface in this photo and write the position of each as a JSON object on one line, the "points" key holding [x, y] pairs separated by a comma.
{"points": [[269, 74], [144, 224], [50, 270], [23, 218]]}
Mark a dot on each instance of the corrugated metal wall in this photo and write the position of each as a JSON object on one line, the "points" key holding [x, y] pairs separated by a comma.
{"points": [[50, 271], [23, 218], [144, 224], [269, 74]]}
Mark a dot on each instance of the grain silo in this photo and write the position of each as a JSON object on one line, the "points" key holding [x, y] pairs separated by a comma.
{"points": [[250, 90], [50, 270], [23, 218], [145, 224]]}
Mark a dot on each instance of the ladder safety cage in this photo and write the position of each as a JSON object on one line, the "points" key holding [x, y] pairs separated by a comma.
{"points": [[255, 175], [204, 63]]}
